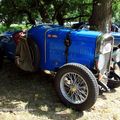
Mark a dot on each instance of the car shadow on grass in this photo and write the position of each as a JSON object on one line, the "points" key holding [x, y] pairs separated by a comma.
{"points": [[31, 92]]}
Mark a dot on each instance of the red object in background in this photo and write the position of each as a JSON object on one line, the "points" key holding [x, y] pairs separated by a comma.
{"points": [[18, 35]]}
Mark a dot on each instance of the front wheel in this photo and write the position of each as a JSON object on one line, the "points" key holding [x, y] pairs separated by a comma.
{"points": [[76, 86]]}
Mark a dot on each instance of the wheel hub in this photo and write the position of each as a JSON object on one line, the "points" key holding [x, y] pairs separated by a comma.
{"points": [[73, 88]]}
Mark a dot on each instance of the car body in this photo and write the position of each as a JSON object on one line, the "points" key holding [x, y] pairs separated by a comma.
{"points": [[74, 55], [115, 30], [51, 43], [8, 43], [116, 36]]}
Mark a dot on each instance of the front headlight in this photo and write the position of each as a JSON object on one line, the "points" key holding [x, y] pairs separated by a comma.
{"points": [[106, 48]]}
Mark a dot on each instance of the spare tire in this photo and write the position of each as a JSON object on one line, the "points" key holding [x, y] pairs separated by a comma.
{"points": [[27, 55]]}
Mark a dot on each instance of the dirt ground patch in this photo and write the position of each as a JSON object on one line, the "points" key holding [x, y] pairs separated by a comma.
{"points": [[31, 96]]}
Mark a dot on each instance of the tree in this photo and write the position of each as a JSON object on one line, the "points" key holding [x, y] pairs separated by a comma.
{"points": [[52, 10], [116, 11], [14, 11], [11, 11], [101, 15], [70, 10]]}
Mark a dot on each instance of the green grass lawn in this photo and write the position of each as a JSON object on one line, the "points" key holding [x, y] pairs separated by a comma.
{"points": [[13, 27]]}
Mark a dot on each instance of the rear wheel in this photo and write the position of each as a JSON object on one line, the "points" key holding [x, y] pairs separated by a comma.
{"points": [[27, 55], [76, 86]]}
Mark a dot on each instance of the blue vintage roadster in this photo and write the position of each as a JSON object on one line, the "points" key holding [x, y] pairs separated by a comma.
{"points": [[79, 59]]}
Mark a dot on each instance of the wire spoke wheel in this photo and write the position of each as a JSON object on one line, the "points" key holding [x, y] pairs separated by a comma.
{"points": [[74, 88], [76, 85]]}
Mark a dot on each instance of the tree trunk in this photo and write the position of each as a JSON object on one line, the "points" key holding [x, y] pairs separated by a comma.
{"points": [[42, 9], [30, 18], [60, 19], [58, 8], [44, 15], [28, 13], [101, 15]]}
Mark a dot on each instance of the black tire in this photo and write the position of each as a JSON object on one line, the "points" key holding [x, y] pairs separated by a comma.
{"points": [[86, 75], [27, 55], [113, 84], [113, 80]]}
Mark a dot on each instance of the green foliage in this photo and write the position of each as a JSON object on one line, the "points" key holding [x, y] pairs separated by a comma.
{"points": [[13, 27], [16, 11], [2, 28], [116, 11]]}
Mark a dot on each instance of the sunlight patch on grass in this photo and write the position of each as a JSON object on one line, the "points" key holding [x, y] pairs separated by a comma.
{"points": [[44, 108], [66, 111]]}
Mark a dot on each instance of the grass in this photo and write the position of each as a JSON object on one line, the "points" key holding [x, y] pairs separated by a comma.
{"points": [[31, 96]]}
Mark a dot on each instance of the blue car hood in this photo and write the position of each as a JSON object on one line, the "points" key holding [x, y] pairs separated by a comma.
{"points": [[88, 33]]}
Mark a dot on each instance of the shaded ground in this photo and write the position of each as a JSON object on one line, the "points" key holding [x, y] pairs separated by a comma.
{"points": [[31, 96]]}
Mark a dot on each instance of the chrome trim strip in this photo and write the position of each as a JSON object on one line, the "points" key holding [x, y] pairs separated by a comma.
{"points": [[45, 41]]}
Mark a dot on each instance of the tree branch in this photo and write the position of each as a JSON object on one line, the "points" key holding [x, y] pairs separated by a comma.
{"points": [[72, 18]]}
